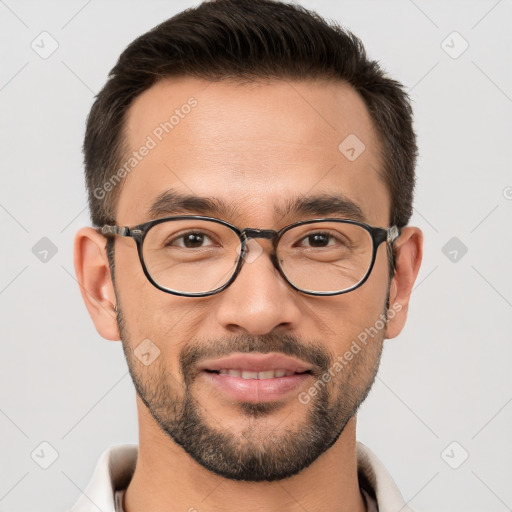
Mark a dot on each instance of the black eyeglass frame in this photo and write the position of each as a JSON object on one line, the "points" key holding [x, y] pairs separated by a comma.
{"points": [[139, 232]]}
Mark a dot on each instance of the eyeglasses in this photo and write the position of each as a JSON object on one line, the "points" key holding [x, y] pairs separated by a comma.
{"points": [[196, 256]]}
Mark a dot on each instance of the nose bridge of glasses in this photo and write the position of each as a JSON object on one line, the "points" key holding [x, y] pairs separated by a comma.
{"points": [[268, 234], [249, 234]]}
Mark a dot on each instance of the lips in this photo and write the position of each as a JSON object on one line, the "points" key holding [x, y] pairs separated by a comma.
{"points": [[256, 366], [265, 374], [256, 363], [256, 377]]}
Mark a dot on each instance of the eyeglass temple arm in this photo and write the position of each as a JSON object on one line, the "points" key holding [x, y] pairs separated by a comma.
{"points": [[115, 230]]}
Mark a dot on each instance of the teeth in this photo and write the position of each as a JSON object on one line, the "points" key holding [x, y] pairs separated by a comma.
{"points": [[267, 374], [249, 375]]}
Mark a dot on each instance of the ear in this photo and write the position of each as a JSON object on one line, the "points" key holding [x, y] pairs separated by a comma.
{"points": [[409, 251], [93, 274]]}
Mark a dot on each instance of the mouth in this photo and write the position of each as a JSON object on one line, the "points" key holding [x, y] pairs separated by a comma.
{"points": [[262, 375], [256, 377], [256, 365]]}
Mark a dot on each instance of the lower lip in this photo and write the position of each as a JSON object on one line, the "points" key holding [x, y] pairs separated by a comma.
{"points": [[256, 390]]}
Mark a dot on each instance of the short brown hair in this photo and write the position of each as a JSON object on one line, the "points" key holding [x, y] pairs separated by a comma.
{"points": [[246, 40]]}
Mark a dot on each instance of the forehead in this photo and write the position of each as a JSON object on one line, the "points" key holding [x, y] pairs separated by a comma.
{"points": [[250, 147]]}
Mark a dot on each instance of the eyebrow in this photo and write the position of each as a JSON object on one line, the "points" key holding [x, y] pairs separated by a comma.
{"points": [[172, 202], [322, 205]]}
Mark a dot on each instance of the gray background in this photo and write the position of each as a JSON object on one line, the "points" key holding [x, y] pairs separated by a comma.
{"points": [[445, 379]]}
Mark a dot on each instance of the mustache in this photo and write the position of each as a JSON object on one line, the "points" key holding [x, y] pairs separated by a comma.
{"points": [[193, 354]]}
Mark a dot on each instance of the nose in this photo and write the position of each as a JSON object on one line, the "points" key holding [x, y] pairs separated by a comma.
{"points": [[259, 300]]}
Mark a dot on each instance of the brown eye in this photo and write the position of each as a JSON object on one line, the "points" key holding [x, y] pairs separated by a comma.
{"points": [[191, 240]]}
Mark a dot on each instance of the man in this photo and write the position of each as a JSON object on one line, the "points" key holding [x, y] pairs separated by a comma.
{"points": [[250, 177]]}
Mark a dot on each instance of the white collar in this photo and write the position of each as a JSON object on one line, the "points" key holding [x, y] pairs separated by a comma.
{"points": [[116, 465]]}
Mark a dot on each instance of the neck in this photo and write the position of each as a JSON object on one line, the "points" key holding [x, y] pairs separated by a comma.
{"points": [[167, 479]]}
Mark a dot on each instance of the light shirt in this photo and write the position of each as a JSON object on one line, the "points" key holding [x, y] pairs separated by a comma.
{"points": [[116, 465]]}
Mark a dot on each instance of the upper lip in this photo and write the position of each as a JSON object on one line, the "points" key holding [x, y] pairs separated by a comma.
{"points": [[256, 363]]}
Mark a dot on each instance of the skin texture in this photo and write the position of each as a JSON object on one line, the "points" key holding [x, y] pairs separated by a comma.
{"points": [[254, 146]]}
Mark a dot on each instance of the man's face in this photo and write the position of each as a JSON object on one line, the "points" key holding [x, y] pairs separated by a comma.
{"points": [[255, 147]]}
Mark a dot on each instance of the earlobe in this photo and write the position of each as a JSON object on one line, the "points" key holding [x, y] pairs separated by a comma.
{"points": [[93, 275], [409, 250]]}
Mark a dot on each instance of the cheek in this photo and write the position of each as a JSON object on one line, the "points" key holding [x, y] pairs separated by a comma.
{"points": [[158, 323], [150, 340], [362, 310]]}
